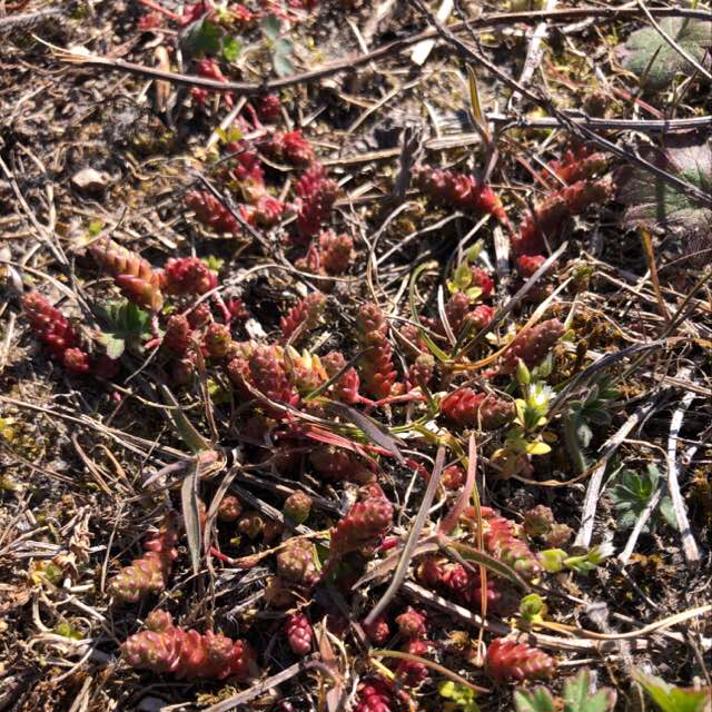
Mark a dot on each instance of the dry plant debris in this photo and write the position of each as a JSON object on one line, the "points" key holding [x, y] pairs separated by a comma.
{"points": [[337, 376]]}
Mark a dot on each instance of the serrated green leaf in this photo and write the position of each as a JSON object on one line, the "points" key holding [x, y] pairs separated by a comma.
{"points": [[578, 698], [655, 61], [668, 698], [630, 496], [537, 700]]}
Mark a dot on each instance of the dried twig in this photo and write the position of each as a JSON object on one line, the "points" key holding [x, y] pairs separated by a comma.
{"points": [[689, 546], [590, 504]]}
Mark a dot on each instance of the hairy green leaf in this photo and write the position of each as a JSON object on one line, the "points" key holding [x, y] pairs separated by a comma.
{"points": [[282, 57], [654, 203], [655, 61]]}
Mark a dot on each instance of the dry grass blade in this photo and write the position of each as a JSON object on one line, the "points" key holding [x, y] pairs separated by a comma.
{"points": [[464, 552], [478, 114], [246, 696], [412, 540], [652, 266], [399, 655], [689, 545], [183, 427], [451, 519], [373, 430], [191, 515]]}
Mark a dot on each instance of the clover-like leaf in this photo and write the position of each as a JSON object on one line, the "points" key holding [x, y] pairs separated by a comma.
{"points": [[654, 203], [656, 62], [579, 698]]}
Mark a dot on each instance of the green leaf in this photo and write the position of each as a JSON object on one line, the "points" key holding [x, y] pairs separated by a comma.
{"points": [[578, 698], [655, 204], [552, 560], [667, 512], [532, 607], [231, 48], [271, 27], [188, 434], [668, 698], [584, 434], [115, 347], [282, 58], [474, 252], [201, 37], [447, 689], [630, 496], [655, 61], [463, 697], [462, 277], [226, 136], [537, 700], [124, 326], [538, 448], [214, 262], [523, 375]]}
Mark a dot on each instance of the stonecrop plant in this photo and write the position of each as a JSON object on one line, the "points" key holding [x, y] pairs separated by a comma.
{"points": [[368, 398]]}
